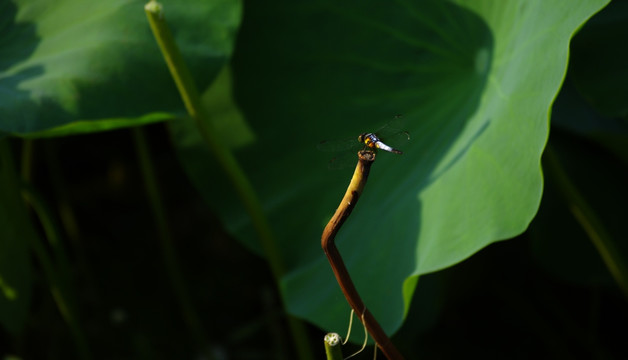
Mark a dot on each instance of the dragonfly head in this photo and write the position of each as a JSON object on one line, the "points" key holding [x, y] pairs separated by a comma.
{"points": [[361, 137]]}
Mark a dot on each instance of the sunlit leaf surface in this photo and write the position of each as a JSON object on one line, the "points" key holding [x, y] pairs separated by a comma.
{"points": [[85, 66]]}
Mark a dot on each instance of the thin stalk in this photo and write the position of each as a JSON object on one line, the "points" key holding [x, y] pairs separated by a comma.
{"points": [[350, 199], [57, 272], [589, 221], [63, 206], [64, 213], [168, 251], [27, 160], [244, 189]]}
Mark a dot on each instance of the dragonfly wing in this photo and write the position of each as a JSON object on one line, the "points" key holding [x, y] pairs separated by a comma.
{"points": [[336, 145], [343, 160], [345, 152], [392, 134], [392, 127], [397, 139]]}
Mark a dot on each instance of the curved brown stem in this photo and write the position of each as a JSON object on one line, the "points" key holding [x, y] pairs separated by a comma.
{"points": [[360, 175]]}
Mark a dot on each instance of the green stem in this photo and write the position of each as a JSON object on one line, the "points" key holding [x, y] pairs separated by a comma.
{"points": [[167, 248], [333, 345], [195, 109], [244, 189], [589, 221]]}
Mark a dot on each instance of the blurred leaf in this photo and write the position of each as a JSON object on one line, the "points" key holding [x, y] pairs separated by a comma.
{"points": [[561, 245], [571, 112], [16, 232], [474, 82], [79, 66], [599, 58]]}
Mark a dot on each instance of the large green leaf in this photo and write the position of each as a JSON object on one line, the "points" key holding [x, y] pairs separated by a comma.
{"points": [[474, 81], [81, 66]]}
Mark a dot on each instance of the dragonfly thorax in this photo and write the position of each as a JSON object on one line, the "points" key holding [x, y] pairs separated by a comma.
{"points": [[369, 139]]}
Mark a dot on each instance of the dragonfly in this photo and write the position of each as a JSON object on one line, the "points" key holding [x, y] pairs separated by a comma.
{"points": [[385, 138]]}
